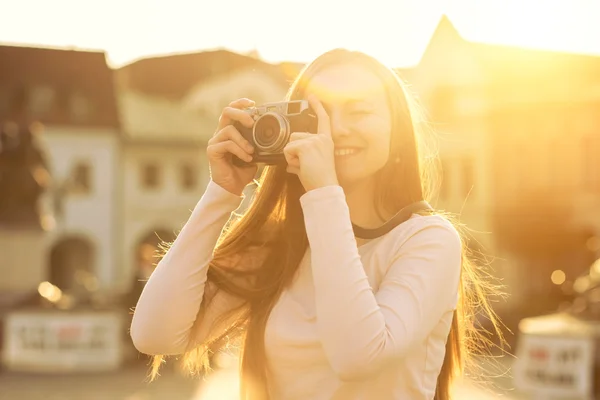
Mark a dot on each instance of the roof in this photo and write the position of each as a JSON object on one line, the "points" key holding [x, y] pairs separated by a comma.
{"points": [[148, 119], [504, 62], [67, 73], [171, 76]]}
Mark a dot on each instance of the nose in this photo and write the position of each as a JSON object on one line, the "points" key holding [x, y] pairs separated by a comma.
{"points": [[339, 126]]}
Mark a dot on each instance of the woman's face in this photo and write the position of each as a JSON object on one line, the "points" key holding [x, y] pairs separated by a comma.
{"points": [[361, 125]]}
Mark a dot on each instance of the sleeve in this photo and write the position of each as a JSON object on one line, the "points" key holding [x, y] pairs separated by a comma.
{"points": [[361, 331], [169, 304]]}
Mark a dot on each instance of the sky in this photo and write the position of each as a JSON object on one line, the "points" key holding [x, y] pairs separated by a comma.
{"points": [[396, 31]]}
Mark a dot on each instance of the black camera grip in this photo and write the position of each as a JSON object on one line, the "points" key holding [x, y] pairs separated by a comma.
{"points": [[238, 162]]}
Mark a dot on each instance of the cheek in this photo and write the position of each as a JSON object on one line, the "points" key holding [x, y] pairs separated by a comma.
{"points": [[379, 147]]}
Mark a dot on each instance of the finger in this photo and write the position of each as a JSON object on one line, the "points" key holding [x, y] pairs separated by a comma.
{"points": [[222, 149], [299, 136], [324, 125], [292, 169], [232, 114], [231, 133], [291, 154], [242, 103], [293, 161], [294, 148]]}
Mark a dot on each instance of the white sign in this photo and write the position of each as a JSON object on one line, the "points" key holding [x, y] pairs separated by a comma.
{"points": [[553, 367], [62, 341]]}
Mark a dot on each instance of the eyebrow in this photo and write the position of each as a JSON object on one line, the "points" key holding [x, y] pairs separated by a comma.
{"points": [[359, 100], [351, 102]]}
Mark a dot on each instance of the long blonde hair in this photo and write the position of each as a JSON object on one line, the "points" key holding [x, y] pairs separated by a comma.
{"points": [[273, 227]]}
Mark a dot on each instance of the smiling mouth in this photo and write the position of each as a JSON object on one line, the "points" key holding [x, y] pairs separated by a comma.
{"points": [[345, 152]]}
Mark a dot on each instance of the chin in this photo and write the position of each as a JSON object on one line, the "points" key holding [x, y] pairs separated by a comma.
{"points": [[343, 182], [350, 181]]}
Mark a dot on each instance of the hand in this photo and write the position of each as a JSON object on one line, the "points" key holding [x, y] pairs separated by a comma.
{"points": [[310, 156], [228, 141]]}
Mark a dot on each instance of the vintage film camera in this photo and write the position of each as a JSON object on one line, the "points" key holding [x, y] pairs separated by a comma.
{"points": [[273, 125]]}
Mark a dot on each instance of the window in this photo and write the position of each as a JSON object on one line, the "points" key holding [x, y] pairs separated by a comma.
{"points": [[521, 164], [445, 180], [81, 178], [41, 101], [556, 165], [150, 176], [189, 176], [468, 177], [80, 108], [591, 162], [18, 100], [4, 101], [442, 103]]}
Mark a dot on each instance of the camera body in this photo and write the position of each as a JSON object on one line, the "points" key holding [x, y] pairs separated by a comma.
{"points": [[273, 125]]}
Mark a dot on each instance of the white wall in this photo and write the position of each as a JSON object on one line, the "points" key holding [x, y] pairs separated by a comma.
{"points": [[93, 216], [166, 207]]}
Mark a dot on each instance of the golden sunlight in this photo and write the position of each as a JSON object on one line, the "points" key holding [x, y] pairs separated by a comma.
{"points": [[540, 24], [398, 37]]}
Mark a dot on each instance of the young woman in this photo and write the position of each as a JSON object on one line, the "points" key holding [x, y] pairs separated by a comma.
{"points": [[321, 314]]}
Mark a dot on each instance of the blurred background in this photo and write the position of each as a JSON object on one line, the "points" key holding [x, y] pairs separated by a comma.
{"points": [[106, 108]]}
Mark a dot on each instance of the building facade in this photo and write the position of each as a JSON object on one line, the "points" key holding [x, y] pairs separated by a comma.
{"points": [[71, 93]]}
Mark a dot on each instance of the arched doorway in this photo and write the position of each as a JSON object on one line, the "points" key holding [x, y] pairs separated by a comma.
{"points": [[149, 249], [147, 253], [71, 262]]}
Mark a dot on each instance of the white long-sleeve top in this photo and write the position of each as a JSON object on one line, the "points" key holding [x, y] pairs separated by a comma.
{"points": [[358, 322]]}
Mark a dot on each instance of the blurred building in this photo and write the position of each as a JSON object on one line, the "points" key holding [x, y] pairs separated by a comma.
{"points": [[448, 83], [180, 76], [258, 84], [169, 108], [72, 94], [517, 130], [126, 148], [164, 175], [519, 139]]}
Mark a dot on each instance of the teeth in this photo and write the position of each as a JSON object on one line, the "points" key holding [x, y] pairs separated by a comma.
{"points": [[344, 152]]}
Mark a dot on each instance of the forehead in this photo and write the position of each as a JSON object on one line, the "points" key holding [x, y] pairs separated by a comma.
{"points": [[346, 81]]}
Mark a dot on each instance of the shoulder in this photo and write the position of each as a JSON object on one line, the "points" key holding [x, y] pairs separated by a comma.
{"points": [[425, 227], [430, 234]]}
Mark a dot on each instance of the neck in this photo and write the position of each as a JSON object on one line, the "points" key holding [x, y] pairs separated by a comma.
{"points": [[360, 197]]}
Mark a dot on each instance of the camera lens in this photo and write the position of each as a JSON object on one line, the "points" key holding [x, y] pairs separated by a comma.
{"points": [[270, 132]]}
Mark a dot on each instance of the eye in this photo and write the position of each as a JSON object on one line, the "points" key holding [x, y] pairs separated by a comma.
{"points": [[361, 111], [360, 108]]}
